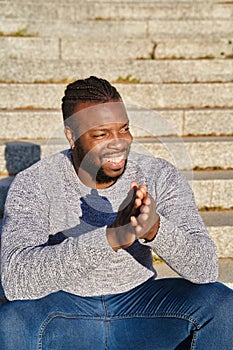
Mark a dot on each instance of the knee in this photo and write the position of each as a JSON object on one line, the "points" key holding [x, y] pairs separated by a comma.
{"points": [[219, 300], [10, 316], [16, 322]]}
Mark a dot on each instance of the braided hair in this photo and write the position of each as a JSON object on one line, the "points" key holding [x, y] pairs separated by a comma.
{"points": [[92, 89]]}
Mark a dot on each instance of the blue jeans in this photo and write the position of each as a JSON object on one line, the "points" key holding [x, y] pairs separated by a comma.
{"points": [[160, 314]]}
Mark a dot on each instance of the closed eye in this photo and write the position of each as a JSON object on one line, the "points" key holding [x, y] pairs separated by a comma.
{"points": [[125, 129], [96, 136]]}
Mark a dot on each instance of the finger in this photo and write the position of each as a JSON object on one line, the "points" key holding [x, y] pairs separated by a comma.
{"points": [[146, 198], [141, 192], [138, 202], [143, 189], [145, 209], [134, 185], [142, 219], [133, 221], [138, 230]]}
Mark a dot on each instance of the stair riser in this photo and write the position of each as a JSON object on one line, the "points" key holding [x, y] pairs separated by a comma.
{"points": [[48, 96], [154, 29], [49, 124], [118, 11], [185, 155], [189, 155], [144, 71], [69, 49], [222, 236]]}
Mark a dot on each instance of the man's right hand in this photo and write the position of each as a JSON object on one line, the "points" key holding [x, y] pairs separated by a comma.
{"points": [[121, 234], [136, 218]]}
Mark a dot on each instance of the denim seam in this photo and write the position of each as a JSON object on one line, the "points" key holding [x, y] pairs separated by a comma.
{"points": [[164, 315], [107, 322], [193, 341], [104, 306], [60, 314]]}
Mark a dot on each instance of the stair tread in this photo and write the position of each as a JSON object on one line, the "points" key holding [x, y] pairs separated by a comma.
{"points": [[155, 96], [27, 70], [128, 9], [218, 218]]}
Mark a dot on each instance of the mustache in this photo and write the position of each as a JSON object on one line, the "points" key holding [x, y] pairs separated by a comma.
{"points": [[116, 153]]}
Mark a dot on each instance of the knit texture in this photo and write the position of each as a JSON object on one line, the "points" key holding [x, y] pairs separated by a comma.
{"points": [[54, 231]]}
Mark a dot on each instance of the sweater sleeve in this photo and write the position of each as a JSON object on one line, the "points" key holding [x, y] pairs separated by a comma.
{"points": [[182, 240], [31, 269]]}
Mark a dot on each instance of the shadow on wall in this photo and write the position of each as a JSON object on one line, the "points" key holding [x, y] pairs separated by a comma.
{"points": [[19, 155]]}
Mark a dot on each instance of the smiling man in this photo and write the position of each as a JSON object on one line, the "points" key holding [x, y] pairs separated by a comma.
{"points": [[100, 146], [78, 235]]}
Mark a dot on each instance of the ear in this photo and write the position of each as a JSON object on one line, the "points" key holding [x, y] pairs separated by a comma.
{"points": [[70, 136]]}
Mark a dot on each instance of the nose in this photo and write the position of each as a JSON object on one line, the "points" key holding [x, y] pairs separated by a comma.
{"points": [[117, 143]]}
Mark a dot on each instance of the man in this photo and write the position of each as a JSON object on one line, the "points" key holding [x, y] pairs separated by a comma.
{"points": [[79, 230]]}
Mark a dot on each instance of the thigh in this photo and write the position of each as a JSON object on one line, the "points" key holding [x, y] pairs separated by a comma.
{"points": [[166, 314], [167, 297], [24, 324], [72, 332], [150, 333]]}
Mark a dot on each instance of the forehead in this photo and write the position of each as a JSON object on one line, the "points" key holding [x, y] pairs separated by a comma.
{"points": [[93, 116]]}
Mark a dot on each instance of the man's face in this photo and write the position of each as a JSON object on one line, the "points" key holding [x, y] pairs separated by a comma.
{"points": [[103, 140]]}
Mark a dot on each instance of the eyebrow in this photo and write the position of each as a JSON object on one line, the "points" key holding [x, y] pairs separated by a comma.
{"points": [[102, 128]]}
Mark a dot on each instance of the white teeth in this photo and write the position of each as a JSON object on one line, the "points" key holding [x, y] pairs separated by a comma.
{"points": [[114, 159]]}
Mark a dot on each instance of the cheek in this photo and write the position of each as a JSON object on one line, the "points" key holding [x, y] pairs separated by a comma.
{"points": [[130, 138], [95, 150]]}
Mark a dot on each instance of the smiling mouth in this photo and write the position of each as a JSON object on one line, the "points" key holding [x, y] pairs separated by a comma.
{"points": [[114, 160]]}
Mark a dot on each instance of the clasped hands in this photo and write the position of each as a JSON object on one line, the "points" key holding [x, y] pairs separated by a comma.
{"points": [[136, 218]]}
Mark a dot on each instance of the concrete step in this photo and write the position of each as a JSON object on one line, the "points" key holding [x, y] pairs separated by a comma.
{"points": [[27, 47], [190, 152], [112, 29], [31, 124], [155, 96], [213, 189], [178, 95], [142, 48], [199, 48], [120, 1], [117, 10], [220, 228], [186, 153], [21, 68], [196, 122], [225, 271], [217, 218], [132, 48], [48, 124]]}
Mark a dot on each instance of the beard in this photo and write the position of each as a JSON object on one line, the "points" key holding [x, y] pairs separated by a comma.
{"points": [[103, 178], [87, 163]]}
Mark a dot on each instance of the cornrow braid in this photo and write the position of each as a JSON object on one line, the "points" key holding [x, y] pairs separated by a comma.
{"points": [[84, 90]]}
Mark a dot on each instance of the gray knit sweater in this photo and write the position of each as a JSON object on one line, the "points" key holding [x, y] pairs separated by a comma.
{"points": [[54, 231]]}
